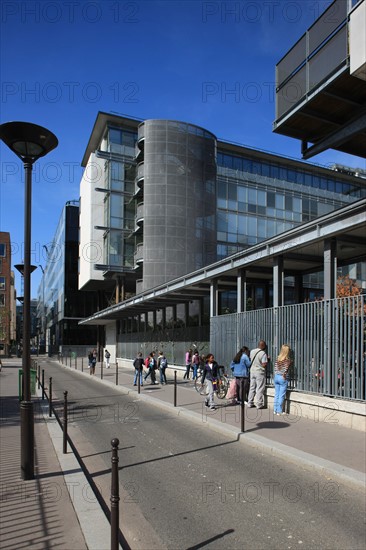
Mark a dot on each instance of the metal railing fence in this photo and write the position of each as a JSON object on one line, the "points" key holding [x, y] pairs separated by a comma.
{"points": [[327, 338]]}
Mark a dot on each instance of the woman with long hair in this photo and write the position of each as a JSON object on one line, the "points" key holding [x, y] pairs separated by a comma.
{"points": [[281, 377]]}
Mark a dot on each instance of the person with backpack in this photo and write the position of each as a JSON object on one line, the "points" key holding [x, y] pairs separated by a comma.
{"points": [[162, 365], [209, 375], [107, 356], [150, 364], [139, 367]]}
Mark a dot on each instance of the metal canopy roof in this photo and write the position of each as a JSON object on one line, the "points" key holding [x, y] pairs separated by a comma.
{"points": [[301, 248]]}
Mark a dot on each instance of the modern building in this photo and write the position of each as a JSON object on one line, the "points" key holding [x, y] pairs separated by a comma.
{"points": [[161, 199], [60, 304], [7, 297]]}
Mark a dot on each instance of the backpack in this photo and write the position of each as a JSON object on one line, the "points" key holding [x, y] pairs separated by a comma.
{"points": [[163, 362], [147, 362]]}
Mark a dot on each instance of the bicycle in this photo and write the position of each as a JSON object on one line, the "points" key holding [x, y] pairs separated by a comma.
{"points": [[221, 385]]}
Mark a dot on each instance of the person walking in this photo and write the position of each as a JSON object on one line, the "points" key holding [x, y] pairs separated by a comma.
{"points": [[139, 367], [93, 361], [162, 365], [195, 365], [240, 367], [188, 364], [150, 363], [107, 356], [259, 360], [281, 376], [90, 359], [209, 375]]}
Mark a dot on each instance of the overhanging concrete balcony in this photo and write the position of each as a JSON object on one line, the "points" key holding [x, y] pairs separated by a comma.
{"points": [[318, 100]]}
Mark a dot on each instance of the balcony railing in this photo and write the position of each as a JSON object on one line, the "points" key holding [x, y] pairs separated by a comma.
{"points": [[319, 53]]}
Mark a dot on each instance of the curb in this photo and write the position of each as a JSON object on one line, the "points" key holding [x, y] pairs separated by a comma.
{"points": [[93, 522]]}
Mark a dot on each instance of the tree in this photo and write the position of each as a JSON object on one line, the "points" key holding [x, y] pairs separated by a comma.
{"points": [[347, 287]]}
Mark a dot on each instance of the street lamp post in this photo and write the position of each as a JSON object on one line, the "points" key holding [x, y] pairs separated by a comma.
{"points": [[29, 142], [43, 308]]}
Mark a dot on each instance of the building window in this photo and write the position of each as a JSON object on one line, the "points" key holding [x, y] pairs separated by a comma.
{"points": [[2, 283], [2, 299], [2, 250]]}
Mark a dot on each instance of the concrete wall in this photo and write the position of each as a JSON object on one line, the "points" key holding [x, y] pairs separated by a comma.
{"points": [[91, 214], [350, 414]]}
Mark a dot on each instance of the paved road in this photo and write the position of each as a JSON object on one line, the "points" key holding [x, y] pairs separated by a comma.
{"points": [[183, 486]]}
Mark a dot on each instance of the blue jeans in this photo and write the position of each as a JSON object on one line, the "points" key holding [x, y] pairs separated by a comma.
{"points": [[162, 375], [281, 384], [136, 375], [195, 369]]}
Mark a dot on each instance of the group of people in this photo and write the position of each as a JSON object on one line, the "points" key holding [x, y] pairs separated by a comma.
{"points": [[151, 364], [194, 361], [249, 370]]}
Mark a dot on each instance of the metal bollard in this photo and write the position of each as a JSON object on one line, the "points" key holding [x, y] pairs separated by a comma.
{"points": [[39, 377], [175, 388], [50, 398], [42, 384], [101, 369], [76, 363], [65, 424], [82, 364], [116, 373], [114, 496], [242, 408]]}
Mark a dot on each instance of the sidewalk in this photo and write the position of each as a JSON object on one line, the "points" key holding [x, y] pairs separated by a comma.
{"points": [[40, 514], [35, 514]]}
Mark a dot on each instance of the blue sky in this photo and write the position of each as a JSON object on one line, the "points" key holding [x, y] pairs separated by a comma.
{"points": [[211, 63]]}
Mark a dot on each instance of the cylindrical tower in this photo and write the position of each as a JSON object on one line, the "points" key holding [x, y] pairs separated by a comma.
{"points": [[179, 230]]}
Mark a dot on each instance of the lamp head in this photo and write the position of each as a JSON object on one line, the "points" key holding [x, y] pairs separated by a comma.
{"points": [[28, 141]]}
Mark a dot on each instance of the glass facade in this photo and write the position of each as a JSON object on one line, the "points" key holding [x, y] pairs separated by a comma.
{"points": [[257, 200], [60, 304], [119, 210]]}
